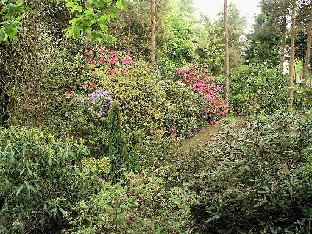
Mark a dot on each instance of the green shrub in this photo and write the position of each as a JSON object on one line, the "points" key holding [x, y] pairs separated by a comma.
{"points": [[151, 107], [303, 95], [253, 179], [40, 178], [256, 88], [85, 116], [143, 205], [116, 145]]}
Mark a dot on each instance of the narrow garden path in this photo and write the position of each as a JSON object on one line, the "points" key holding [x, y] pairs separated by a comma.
{"points": [[204, 136]]}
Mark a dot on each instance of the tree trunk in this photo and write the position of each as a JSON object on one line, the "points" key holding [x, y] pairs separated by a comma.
{"points": [[292, 55], [308, 51], [153, 39], [283, 46], [227, 56]]}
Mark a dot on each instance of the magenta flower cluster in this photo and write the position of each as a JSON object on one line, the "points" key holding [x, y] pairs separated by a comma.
{"points": [[110, 61], [200, 82]]}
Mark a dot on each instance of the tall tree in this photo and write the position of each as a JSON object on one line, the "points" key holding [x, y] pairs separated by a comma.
{"points": [[153, 38], [292, 54], [308, 50], [283, 28], [278, 12], [227, 55]]}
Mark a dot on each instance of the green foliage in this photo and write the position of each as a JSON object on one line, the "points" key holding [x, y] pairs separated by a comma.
{"points": [[143, 205], [158, 104], [11, 14], [254, 180], [180, 47], [303, 95], [99, 166], [39, 179], [256, 88], [91, 18], [210, 48], [86, 117], [116, 145]]}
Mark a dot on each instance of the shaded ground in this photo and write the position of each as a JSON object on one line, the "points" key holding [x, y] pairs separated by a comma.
{"points": [[204, 136]]}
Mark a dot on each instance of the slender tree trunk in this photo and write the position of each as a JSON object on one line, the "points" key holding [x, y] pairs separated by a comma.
{"points": [[283, 46], [227, 56], [153, 39], [292, 55], [308, 51]]}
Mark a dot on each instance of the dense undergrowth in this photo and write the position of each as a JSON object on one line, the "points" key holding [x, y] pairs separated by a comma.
{"points": [[103, 146], [253, 176]]}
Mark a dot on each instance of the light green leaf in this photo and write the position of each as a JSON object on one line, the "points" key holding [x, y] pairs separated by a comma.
{"points": [[120, 4]]}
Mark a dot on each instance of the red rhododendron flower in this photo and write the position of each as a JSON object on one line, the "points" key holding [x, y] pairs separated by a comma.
{"points": [[92, 86], [68, 90], [88, 59], [93, 63]]}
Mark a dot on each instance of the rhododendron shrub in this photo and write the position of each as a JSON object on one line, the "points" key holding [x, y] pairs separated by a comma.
{"points": [[149, 106], [203, 84], [86, 117]]}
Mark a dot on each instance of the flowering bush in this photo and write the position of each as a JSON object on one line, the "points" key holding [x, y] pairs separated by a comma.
{"points": [[100, 101], [149, 105], [205, 85], [85, 116]]}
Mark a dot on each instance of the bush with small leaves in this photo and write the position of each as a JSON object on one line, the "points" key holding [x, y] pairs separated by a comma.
{"points": [[143, 205], [254, 180]]}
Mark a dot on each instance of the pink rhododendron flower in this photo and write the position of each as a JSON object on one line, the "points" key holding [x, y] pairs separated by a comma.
{"points": [[212, 122], [92, 86], [205, 85], [93, 63], [113, 54], [126, 60], [100, 51], [102, 60], [174, 134], [219, 89], [113, 60], [88, 59], [170, 129], [113, 72], [123, 71]]}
